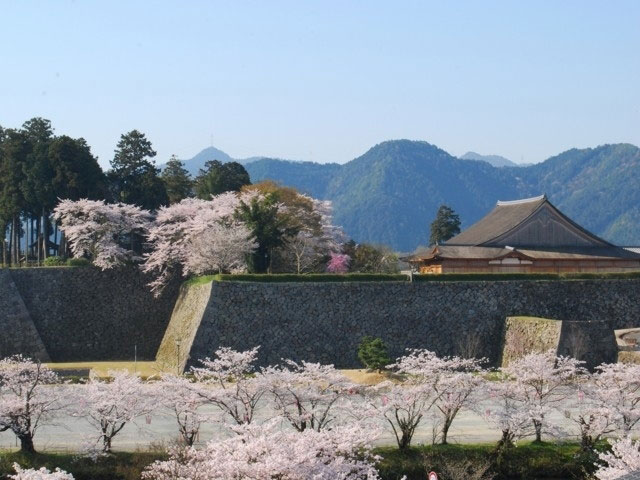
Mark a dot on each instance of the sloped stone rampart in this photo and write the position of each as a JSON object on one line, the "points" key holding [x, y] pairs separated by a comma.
{"points": [[529, 334], [86, 314], [186, 319], [18, 334], [591, 341]]}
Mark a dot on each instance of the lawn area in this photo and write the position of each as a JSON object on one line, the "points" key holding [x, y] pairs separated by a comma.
{"points": [[528, 461], [146, 369], [149, 369]]}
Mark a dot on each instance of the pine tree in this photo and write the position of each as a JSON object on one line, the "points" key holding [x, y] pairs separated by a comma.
{"points": [[177, 180], [373, 354], [445, 226]]}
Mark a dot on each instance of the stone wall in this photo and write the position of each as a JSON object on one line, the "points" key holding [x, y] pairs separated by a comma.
{"points": [[591, 341], [324, 322], [18, 334], [84, 314], [529, 334]]}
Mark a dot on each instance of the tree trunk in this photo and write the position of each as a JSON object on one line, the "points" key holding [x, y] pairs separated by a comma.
{"points": [[38, 240], [405, 440], [538, 427], [445, 430], [14, 257], [26, 443], [62, 246], [106, 444], [45, 236]]}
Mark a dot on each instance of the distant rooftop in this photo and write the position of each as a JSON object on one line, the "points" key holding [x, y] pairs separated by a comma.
{"points": [[527, 222]]}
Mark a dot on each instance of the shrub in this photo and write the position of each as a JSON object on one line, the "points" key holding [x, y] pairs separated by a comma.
{"points": [[54, 262], [373, 354], [78, 262]]}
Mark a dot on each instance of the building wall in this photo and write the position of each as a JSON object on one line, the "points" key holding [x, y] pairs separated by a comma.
{"points": [[87, 314], [324, 322], [536, 266]]}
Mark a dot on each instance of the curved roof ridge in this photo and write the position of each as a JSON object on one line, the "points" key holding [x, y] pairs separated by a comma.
{"points": [[522, 200]]}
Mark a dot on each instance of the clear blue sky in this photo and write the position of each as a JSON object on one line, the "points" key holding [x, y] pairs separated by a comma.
{"points": [[324, 81]]}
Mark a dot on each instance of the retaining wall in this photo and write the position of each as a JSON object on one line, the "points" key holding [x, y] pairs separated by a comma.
{"points": [[324, 322], [84, 314]]}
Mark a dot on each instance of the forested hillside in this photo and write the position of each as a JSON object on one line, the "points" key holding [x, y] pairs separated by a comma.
{"points": [[391, 193]]}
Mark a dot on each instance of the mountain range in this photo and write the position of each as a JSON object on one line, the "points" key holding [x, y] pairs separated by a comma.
{"points": [[391, 193]]}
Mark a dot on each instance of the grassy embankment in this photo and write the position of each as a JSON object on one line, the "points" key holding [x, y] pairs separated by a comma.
{"points": [[375, 277], [528, 461]]}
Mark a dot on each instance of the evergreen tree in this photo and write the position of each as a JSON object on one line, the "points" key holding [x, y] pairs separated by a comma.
{"points": [[268, 228], [445, 226], [177, 180], [218, 177], [14, 152], [134, 177], [373, 354], [76, 172]]}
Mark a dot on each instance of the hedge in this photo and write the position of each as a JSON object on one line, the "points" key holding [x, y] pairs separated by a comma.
{"points": [[381, 277], [308, 277]]}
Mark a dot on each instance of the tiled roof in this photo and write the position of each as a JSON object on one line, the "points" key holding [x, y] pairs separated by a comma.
{"points": [[504, 217], [489, 253]]}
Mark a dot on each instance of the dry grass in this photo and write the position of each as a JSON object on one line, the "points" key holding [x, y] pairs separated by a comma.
{"points": [[149, 369], [146, 369], [365, 377]]}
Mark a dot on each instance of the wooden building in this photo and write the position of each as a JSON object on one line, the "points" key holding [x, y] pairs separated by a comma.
{"points": [[525, 236]]}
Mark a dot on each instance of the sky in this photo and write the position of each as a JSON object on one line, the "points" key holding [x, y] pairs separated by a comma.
{"points": [[326, 80]]}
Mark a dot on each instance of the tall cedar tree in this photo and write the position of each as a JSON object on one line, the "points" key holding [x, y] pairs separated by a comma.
{"points": [[445, 226], [177, 180], [270, 229], [134, 177], [218, 177]]}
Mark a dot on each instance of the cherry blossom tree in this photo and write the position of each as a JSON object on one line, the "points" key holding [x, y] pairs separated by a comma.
{"points": [[338, 263], [542, 380], [585, 410], [623, 459], [28, 398], [267, 452], [454, 381], [316, 236], [221, 248], [228, 383], [308, 395], [110, 404], [617, 389], [40, 474], [177, 395], [196, 236], [98, 229], [507, 413], [403, 406]]}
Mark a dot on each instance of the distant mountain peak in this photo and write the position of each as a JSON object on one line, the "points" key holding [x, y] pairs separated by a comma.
{"points": [[495, 160]]}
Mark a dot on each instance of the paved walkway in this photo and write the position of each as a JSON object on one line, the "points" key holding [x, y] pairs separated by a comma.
{"points": [[71, 434]]}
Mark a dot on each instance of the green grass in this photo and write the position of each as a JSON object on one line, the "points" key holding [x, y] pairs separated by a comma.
{"points": [[307, 277], [381, 277], [120, 466], [528, 461]]}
